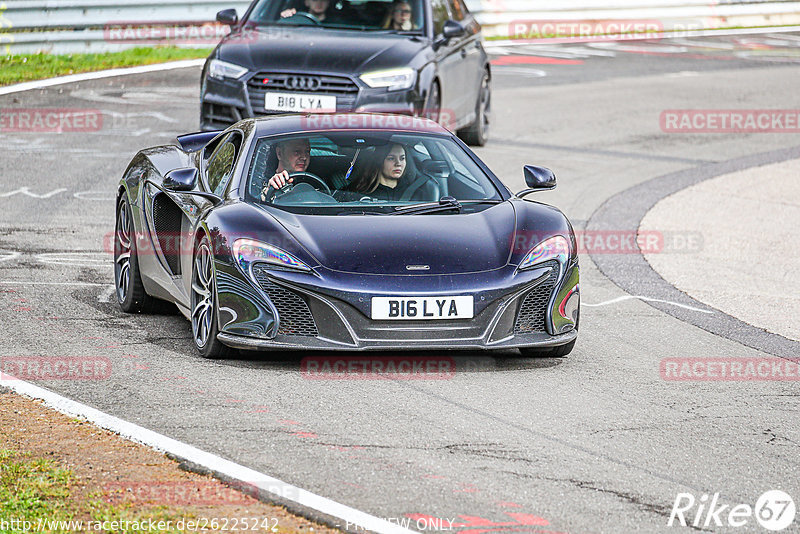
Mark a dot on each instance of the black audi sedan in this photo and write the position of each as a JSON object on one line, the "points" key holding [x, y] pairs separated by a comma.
{"points": [[414, 57]]}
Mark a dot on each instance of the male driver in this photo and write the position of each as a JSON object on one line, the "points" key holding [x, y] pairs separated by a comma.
{"points": [[318, 8], [293, 156]]}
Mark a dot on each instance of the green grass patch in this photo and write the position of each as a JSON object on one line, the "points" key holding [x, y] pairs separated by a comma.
{"points": [[24, 68], [34, 489]]}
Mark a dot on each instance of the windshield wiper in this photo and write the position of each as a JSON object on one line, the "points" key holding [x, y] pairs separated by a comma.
{"points": [[360, 212], [444, 204]]}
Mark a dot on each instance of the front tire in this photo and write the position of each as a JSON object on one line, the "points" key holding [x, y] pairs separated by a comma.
{"points": [[433, 103], [477, 133], [131, 295], [204, 304]]}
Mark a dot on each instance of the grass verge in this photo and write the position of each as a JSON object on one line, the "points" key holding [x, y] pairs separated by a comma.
{"points": [[58, 474], [25, 68], [37, 491]]}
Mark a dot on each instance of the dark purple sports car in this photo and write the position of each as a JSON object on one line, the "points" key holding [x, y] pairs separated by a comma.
{"points": [[344, 232]]}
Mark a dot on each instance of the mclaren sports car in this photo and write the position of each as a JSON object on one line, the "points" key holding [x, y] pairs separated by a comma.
{"points": [[344, 232]]}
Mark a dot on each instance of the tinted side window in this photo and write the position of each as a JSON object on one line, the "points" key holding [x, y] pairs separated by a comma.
{"points": [[440, 15], [220, 167]]}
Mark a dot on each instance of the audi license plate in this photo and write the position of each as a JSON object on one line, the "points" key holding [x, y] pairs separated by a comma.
{"points": [[299, 102], [422, 308]]}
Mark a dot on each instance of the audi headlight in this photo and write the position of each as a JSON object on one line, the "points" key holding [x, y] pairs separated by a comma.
{"points": [[248, 251], [555, 248], [392, 79], [222, 69]]}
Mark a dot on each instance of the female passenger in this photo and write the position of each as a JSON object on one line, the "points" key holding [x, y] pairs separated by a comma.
{"points": [[399, 17], [382, 175]]}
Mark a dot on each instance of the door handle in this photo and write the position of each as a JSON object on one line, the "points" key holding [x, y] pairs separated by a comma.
{"points": [[464, 52]]}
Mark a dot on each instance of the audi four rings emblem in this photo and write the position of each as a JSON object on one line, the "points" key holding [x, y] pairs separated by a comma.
{"points": [[303, 83]]}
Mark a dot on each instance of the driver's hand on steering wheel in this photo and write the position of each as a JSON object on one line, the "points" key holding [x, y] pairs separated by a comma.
{"points": [[286, 13], [278, 181]]}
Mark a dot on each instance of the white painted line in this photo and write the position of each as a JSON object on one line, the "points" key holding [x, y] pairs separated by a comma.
{"points": [[522, 71], [95, 195], [77, 259], [27, 191], [682, 74], [357, 519], [85, 76], [152, 114], [6, 255], [647, 299]]}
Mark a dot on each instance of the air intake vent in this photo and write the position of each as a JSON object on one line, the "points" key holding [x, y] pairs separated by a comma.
{"points": [[293, 313], [167, 219], [533, 312]]}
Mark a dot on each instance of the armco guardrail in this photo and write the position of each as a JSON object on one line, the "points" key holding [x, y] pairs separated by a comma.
{"points": [[68, 26]]}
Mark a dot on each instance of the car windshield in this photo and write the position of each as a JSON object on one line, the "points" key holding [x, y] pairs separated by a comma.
{"points": [[366, 15], [368, 172]]}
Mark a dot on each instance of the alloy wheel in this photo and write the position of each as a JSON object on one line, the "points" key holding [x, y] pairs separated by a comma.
{"points": [[202, 296], [122, 252]]}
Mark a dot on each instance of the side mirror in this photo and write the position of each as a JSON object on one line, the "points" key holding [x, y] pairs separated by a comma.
{"points": [[453, 29], [450, 30], [228, 17], [537, 179], [180, 179]]}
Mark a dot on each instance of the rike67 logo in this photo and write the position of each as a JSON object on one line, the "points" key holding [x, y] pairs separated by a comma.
{"points": [[774, 510]]}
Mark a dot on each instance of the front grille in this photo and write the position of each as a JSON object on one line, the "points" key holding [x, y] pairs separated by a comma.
{"points": [[293, 313], [533, 312], [343, 88]]}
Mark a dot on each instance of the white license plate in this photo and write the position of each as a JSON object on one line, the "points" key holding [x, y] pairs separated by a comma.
{"points": [[422, 308], [299, 102]]}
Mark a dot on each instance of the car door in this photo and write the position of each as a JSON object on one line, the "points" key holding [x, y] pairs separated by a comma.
{"points": [[470, 51], [448, 60], [216, 163]]}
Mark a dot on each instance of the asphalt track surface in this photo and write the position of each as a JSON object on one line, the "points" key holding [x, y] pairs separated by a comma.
{"points": [[594, 442]]}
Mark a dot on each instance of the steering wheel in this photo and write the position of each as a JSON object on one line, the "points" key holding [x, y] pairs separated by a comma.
{"points": [[306, 15], [298, 178]]}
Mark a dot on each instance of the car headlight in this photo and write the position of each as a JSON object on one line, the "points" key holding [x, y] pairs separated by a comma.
{"points": [[222, 69], [392, 79], [248, 251], [555, 248]]}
